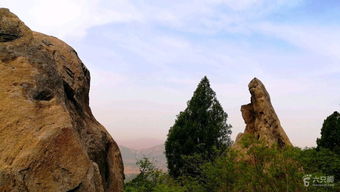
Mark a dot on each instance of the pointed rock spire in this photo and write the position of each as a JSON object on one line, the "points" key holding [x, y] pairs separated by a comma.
{"points": [[261, 119]]}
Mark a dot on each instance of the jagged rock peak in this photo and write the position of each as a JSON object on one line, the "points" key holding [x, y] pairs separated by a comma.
{"points": [[49, 139], [261, 119]]}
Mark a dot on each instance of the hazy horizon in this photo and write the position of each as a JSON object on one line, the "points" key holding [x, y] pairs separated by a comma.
{"points": [[146, 58]]}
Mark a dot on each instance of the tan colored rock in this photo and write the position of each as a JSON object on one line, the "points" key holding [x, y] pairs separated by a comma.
{"points": [[49, 139], [261, 119]]}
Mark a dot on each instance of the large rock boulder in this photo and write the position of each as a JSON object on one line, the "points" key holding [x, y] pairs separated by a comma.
{"points": [[49, 139], [261, 119]]}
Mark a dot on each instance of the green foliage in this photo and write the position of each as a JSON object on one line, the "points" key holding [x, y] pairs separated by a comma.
{"points": [[330, 133], [265, 169], [151, 179], [262, 169], [322, 161], [269, 169], [201, 130]]}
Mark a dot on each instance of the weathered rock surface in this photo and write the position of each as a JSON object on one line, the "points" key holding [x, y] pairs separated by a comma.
{"points": [[49, 139], [261, 119]]}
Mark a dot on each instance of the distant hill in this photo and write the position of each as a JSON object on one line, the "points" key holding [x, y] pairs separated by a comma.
{"points": [[130, 156], [140, 143]]}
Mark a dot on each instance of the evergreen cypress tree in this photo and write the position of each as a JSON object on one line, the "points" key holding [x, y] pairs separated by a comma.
{"points": [[199, 134], [330, 133]]}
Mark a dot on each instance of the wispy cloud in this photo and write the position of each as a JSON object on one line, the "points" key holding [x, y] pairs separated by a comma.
{"points": [[146, 57], [71, 19], [323, 40]]}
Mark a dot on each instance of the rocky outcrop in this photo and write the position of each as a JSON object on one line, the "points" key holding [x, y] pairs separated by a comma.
{"points": [[49, 139], [261, 119]]}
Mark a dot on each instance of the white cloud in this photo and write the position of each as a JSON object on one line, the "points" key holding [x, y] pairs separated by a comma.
{"points": [[72, 18], [210, 16], [145, 70], [69, 19], [240, 5], [323, 40]]}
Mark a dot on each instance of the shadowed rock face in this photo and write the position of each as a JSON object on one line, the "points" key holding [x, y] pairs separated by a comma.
{"points": [[261, 119], [49, 139]]}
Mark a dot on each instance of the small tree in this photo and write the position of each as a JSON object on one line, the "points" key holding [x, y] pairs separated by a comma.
{"points": [[200, 131], [330, 133], [151, 179]]}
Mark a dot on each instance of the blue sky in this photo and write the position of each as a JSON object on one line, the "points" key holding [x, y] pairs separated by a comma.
{"points": [[147, 57]]}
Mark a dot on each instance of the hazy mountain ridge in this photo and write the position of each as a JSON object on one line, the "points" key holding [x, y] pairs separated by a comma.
{"points": [[140, 143], [130, 157]]}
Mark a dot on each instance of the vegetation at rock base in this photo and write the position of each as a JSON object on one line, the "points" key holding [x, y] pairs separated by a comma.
{"points": [[275, 170], [200, 131]]}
